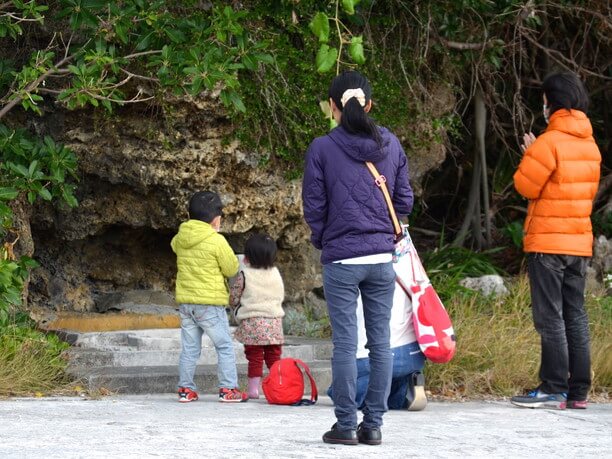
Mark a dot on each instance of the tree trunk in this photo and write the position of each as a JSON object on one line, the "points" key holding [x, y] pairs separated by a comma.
{"points": [[481, 129]]}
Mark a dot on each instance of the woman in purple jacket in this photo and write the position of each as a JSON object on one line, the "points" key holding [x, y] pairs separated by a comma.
{"points": [[350, 224]]}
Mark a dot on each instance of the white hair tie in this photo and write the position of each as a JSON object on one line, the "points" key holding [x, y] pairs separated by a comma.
{"points": [[356, 93]]}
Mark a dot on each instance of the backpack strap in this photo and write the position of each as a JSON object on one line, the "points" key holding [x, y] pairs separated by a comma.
{"points": [[380, 181], [314, 394]]}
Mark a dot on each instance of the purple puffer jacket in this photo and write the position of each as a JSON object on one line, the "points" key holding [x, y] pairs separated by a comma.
{"points": [[344, 208]]}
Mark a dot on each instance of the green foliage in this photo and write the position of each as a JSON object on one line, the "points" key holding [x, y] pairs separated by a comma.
{"points": [[459, 261], [12, 276], [30, 12], [305, 321], [356, 50], [179, 47], [447, 265], [320, 27], [328, 56], [349, 5], [514, 231], [31, 362], [36, 169]]}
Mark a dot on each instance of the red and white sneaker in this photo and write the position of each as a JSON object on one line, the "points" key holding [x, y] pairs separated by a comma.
{"points": [[186, 395], [577, 404], [232, 396]]}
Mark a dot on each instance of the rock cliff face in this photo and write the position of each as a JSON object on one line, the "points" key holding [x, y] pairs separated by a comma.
{"points": [[137, 171]]}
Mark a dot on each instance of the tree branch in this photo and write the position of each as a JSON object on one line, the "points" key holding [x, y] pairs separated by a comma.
{"points": [[18, 19], [564, 61], [144, 53], [463, 46], [140, 77], [8, 107], [133, 100]]}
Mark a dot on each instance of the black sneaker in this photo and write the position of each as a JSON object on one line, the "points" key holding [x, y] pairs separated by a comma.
{"points": [[369, 436], [340, 437], [416, 400]]}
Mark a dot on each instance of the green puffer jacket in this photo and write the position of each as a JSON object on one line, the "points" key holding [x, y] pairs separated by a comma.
{"points": [[205, 261]]}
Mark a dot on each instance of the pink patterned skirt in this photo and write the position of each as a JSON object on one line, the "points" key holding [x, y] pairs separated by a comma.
{"points": [[260, 331]]}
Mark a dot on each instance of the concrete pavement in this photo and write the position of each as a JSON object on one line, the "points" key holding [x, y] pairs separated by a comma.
{"points": [[157, 426]]}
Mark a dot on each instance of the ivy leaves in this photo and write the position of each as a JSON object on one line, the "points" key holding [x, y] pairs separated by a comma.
{"points": [[320, 27], [356, 50], [349, 5], [328, 56]]}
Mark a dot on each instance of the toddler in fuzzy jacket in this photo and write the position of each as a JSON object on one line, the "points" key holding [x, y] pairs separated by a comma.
{"points": [[257, 296]]}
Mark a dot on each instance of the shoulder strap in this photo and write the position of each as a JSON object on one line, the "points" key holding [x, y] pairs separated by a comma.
{"points": [[380, 181], [314, 394]]}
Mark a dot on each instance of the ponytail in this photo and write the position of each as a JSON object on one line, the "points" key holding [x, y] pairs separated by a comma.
{"points": [[356, 121], [351, 92]]}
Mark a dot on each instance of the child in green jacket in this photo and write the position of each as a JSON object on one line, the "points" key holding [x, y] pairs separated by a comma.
{"points": [[205, 261]]}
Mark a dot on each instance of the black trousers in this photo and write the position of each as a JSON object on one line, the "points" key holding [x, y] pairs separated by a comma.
{"points": [[557, 299]]}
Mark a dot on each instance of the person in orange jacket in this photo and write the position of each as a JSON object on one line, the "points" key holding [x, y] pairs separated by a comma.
{"points": [[559, 175]]}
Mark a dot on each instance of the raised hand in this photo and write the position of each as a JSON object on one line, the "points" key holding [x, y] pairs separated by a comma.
{"points": [[528, 139]]}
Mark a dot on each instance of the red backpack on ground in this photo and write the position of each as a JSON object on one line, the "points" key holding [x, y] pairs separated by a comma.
{"points": [[285, 383]]}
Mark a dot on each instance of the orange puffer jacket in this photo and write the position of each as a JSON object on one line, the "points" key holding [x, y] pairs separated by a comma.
{"points": [[559, 174]]}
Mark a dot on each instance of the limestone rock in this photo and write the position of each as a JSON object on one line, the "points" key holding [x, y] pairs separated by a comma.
{"points": [[136, 301], [491, 284], [137, 171], [602, 255]]}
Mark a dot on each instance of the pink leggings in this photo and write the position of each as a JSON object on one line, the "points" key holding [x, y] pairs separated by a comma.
{"points": [[256, 356]]}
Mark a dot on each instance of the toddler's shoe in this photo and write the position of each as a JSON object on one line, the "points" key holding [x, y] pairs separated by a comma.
{"points": [[186, 395], [232, 396], [537, 398], [577, 404], [253, 388]]}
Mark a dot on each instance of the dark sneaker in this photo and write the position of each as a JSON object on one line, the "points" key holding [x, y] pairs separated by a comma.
{"points": [[369, 436], [232, 396], [186, 395], [577, 404], [540, 399], [416, 400], [340, 437]]}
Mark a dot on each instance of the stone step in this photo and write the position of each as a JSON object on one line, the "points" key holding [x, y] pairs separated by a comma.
{"points": [[146, 361], [168, 339], [163, 379], [92, 358]]}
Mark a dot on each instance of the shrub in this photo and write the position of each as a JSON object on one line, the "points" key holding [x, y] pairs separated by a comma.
{"points": [[30, 361], [498, 349]]}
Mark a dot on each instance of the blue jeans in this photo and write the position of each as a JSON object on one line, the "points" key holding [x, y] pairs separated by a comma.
{"points": [[407, 359], [197, 319], [342, 284], [557, 301]]}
